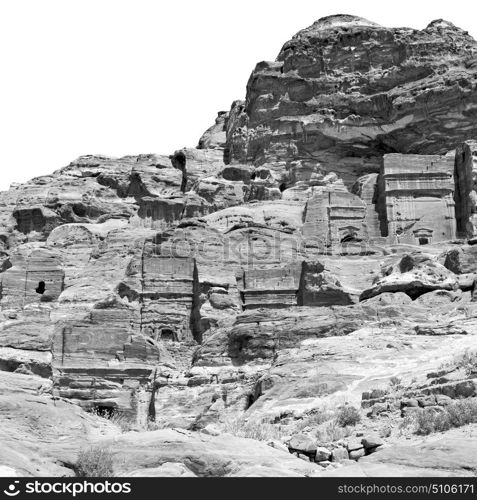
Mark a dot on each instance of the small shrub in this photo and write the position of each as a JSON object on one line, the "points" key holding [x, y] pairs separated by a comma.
{"points": [[156, 426], [407, 424], [315, 419], [395, 383], [378, 393], [462, 412], [466, 361], [425, 422], [123, 421], [457, 414], [94, 462], [253, 429], [348, 416], [328, 424], [329, 432]]}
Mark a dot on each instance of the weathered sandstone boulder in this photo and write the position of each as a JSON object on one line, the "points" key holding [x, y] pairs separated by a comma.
{"points": [[415, 274], [462, 260], [203, 455]]}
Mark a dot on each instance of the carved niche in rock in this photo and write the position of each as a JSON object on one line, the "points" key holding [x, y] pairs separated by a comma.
{"points": [[168, 296], [334, 220], [419, 198], [297, 284], [166, 287], [271, 287]]}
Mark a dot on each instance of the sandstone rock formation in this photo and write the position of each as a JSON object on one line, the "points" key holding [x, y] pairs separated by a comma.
{"points": [[348, 89], [315, 247]]}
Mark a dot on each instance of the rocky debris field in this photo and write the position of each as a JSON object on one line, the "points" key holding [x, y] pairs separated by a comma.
{"points": [[293, 297]]}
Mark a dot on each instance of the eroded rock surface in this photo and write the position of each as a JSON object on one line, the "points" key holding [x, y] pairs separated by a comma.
{"points": [[230, 303], [348, 89]]}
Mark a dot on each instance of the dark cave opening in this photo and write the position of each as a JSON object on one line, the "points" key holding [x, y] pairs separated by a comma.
{"points": [[79, 210], [40, 288], [168, 334], [104, 411]]}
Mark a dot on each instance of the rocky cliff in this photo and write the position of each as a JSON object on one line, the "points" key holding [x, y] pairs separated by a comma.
{"points": [[312, 259], [345, 91]]}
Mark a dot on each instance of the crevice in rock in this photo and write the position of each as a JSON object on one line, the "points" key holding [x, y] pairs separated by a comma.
{"points": [[179, 161], [151, 411], [463, 174], [379, 201], [196, 325], [4, 266], [254, 396], [250, 401]]}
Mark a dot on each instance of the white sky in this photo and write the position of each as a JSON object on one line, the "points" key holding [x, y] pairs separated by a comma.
{"points": [[121, 77]]}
